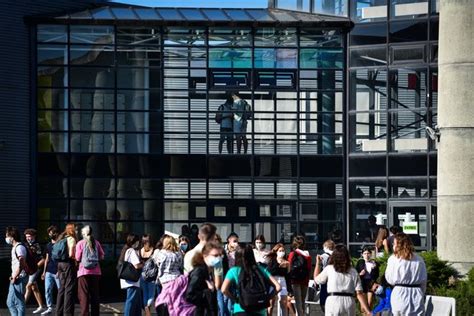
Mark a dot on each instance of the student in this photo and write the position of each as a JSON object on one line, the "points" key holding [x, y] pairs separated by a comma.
{"points": [[207, 233], [130, 254], [368, 270], [224, 118], [381, 243], [406, 272], [383, 292], [88, 253], [67, 273], [202, 290], [260, 253], [328, 248], [18, 277], [148, 287], [343, 282], [32, 285], [300, 270], [245, 263], [242, 112], [229, 261], [49, 276], [279, 268], [184, 243], [169, 261]]}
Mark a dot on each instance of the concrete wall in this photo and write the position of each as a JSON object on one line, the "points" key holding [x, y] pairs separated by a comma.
{"points": [[456, 122]]}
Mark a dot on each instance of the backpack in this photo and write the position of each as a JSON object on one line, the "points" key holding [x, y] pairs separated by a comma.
{"points": [[90, 257], [218, 116], [31, 264], [150, 270], [60, 251], [248, 111], [299, 269], [254, 290]]}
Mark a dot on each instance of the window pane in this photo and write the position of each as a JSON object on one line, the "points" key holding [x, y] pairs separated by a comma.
{"points": [[230, 37], [320, 38], [85, 34], [272, 37], [275, 58], [230, 58], [363, 229], [321, 58], [52, 33], [366, 57]]}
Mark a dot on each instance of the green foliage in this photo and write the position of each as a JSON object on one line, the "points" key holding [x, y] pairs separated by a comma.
{"points": [[462, 291], [439, 271]]}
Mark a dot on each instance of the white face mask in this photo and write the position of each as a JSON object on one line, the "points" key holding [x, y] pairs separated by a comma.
{"points": [[327, 250], [280, 254], [8, 240], [379, 290]]}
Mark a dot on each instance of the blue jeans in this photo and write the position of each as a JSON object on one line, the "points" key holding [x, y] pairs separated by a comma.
{"points": [[148, 292], [133, 303], [16, 297], [50, 281], [228, 305]]}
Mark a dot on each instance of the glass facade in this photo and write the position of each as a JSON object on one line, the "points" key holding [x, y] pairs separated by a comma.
{"points": [[392, 98], [127, 138]]}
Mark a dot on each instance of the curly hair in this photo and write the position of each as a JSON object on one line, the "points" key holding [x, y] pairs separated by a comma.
{"points": [[405, 248], [341, 259]]}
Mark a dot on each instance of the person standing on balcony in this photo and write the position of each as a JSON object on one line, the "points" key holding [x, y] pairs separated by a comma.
{"points": [[242, 112], [225, 118]]}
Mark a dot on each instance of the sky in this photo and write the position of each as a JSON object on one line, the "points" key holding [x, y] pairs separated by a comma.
{"points": [[199, 3]]}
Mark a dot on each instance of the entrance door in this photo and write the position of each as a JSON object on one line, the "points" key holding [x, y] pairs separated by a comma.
{"points": [[417, 220]]}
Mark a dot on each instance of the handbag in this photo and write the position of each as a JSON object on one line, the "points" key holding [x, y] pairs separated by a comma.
{"points": [[127, 271]]}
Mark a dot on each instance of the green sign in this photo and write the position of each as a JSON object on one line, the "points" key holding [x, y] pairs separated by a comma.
{"points": [[410, 227]]}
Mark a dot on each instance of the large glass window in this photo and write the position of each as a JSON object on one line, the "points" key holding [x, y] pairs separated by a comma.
{"points": [[130, 138]]}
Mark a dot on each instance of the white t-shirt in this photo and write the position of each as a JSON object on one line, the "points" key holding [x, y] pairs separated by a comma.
{"points": [[20, 250], [132, 257], [188, 257]]}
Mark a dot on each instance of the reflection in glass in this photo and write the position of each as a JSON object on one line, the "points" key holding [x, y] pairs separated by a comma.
{"points": [[230, 58], [321, 58]]}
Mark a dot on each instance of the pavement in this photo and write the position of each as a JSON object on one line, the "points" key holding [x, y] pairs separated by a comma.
{"points": [[116, 308]]}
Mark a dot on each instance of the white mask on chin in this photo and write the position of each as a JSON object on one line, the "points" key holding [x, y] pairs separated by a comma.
{"points": [[327, 250]]}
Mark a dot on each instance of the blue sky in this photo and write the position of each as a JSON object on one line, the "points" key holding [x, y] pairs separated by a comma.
{"points": [[199, 3]]}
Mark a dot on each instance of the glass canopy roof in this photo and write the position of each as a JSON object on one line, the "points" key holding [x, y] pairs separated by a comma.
{"points": [[119, 15]]}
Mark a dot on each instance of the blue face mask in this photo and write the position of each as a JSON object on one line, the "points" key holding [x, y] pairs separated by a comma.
{"points": [[183, 247], [214, 261], [379, 290], [8, 240]]}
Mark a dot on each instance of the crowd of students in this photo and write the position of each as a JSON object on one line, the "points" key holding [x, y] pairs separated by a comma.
{"points": [[200, 274]]}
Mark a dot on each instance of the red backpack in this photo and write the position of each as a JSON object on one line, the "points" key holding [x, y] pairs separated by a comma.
{"points": [[31, 264]]}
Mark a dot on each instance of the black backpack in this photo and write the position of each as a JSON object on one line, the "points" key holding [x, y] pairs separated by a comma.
{"points": [[299, 269], [255, 290]]}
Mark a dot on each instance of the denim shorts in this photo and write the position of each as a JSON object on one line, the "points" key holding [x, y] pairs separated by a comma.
{"points": [[34, 277]]}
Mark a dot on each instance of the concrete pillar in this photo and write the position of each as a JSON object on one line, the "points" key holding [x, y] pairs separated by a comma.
{"points": [[456, 123]]}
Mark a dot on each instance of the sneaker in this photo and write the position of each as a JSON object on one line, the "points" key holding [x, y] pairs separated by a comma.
{"points": [[38, 310], [49, 310]]}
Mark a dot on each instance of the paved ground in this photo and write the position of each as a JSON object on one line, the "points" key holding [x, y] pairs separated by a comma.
{"points": [[117, 308]]}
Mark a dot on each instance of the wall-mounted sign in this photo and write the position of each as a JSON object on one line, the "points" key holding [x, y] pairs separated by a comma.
{"points": [[410, 228]]}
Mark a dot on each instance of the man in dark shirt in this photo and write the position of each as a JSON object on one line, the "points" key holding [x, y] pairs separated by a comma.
{"points": [[32, 285]]}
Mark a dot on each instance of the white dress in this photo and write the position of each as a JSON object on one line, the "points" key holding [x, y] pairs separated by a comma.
{"points": [[340, 282], [407, 301]]}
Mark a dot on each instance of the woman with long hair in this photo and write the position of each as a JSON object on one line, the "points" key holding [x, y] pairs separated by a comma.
{"points": [[279, 268], [300, 271], [381, 243], [169, 261], [130, 254], [259, 251], [342, 283], [202, 290], [245, 263], [184, 244], [148, 287], [406, 272], [88, 253], [67, 273]]}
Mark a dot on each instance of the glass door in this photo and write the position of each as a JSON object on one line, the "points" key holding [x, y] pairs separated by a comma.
{"points": [[416, 220]]}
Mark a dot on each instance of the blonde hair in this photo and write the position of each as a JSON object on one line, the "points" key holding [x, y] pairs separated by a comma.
{"points": [[329, 244], [405, 248], [170, 244]]}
